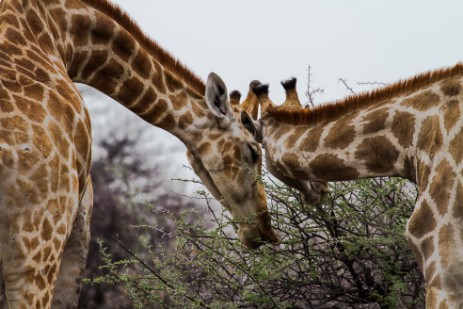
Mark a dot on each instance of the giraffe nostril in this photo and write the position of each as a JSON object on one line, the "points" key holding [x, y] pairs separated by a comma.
{"points": [[26, 149]]}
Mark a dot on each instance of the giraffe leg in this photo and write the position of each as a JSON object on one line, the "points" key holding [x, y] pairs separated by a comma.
{"points": [[435, 240], [68, 284], [30, 267]]}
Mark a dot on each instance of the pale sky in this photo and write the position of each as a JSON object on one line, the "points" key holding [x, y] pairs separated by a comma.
{"points": [[242, 40]]}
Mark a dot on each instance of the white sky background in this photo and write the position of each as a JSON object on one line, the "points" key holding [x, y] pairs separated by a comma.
{"points": [[242, 40]]}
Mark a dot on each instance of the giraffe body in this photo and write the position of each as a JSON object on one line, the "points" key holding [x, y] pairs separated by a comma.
{"points": [[412, 129], [45, 136]]}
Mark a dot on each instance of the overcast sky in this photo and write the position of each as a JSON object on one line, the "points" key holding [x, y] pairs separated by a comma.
{"points": [[358, 40]]}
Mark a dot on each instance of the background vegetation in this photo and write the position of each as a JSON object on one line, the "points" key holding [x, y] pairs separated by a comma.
{"points": [[169, 251]]}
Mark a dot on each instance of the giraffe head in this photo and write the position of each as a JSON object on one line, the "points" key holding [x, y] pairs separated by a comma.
{"points": [[311, 191], [229, 165]]}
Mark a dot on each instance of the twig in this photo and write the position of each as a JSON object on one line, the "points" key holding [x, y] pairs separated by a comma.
{"points": [[344, 82]]}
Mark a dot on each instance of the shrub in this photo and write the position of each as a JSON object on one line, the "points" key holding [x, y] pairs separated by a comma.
{"points": [[349, 251]]}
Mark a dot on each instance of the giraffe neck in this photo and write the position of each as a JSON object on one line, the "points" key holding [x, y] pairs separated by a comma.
{"points": [[99, 46], [381, 140]]}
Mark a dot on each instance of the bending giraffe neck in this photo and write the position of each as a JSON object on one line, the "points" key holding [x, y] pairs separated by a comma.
{"points": [[100, 46]]}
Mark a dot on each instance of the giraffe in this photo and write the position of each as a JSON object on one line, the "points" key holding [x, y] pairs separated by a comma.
{"points": [[311, 191], [45, 136], [412, 129]]}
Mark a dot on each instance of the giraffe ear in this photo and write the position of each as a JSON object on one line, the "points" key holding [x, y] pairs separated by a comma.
{"points": [[217, 96], [252, 126]]}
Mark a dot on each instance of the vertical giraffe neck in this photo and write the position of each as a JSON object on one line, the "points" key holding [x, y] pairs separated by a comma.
{"points": [[114, 57]]}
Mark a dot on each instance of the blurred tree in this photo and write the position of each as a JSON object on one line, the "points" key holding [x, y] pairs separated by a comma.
{"points": [[128, 195]]}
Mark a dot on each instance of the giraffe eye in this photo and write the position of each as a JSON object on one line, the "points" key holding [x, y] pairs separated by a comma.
{"points": [[254, 153]]}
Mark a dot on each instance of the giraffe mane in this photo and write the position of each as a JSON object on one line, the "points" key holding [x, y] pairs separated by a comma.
{"points": [[166, 59], [331, 110]]}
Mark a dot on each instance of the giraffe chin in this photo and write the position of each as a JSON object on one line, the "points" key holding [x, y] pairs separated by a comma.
{"points": [[252, 236]]}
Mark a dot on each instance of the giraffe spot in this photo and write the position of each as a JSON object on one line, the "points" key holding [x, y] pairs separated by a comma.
{"points": [[293, 167], [11, 19], [30, 109], [25, 65], [130, 91], [227, 160], [46, 298], [30, 244], [107, 78], [40, 282], [12, 50], [410, 171], [422, 101], [167, 123], [194, 95], [375, 121], [341, 134], [146, 102], [34, 20], [213, 136], [7, 107], [37, 257], [142, 64], [46, 253], [54, 169], [205, 149], [417, 254], [14, 123], [423, 172], [15, 37], [430, 138], [41, 141], [430, 271], [403, 128], [102, 32], [57, 244], [173, 84], [295, 136], [41, 75], [458, 205], [452, 113], [40, 177], [61, 229], [237, 153], [59, 139], [279, 132], [198, 108], [185, 120], [46, 230], [451, 87], [156, 111], [447, 246], [312, 140], [455, 147], [82, 138], [124, 45], [330, 168], [378, 154], [227, 147], [427, 247], [79, 28], [422, 221], [51, 274], [158, 78], [98, 58], [441, 186], [178, 101]]}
